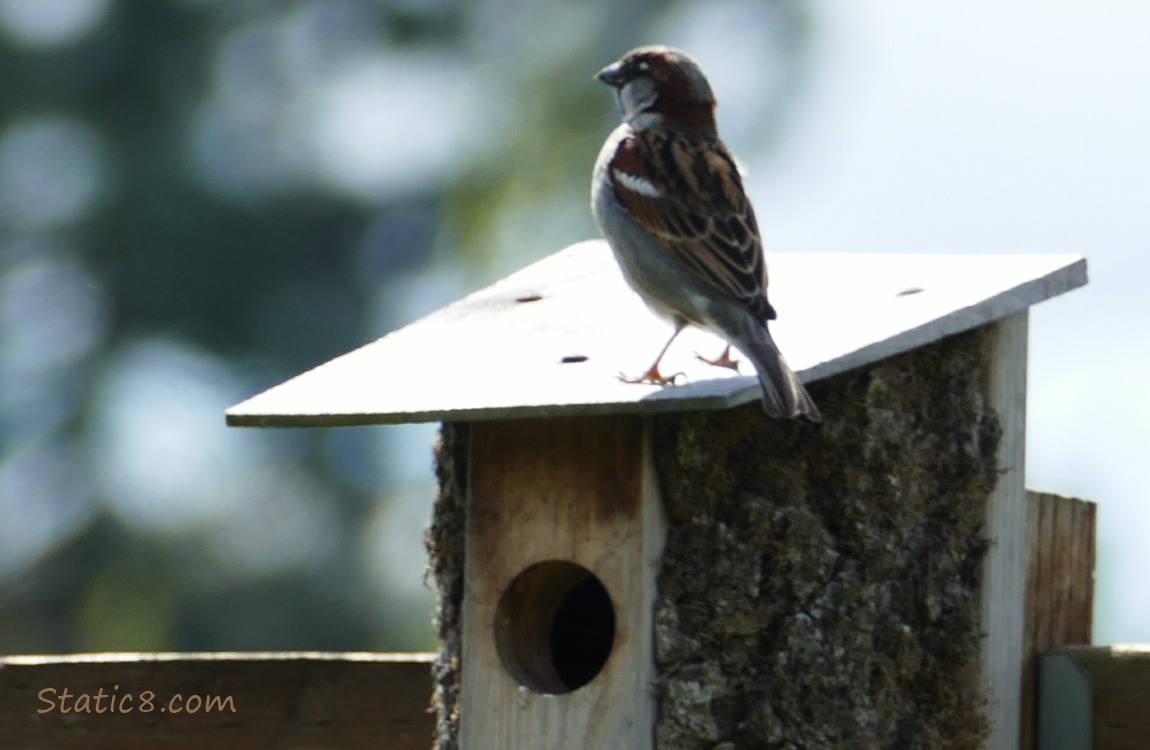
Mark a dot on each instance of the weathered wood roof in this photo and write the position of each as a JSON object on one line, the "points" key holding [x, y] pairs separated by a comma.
{"points": [[551, 338]]}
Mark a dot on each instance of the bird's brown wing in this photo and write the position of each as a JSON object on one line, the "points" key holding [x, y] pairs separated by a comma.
{"points": [[690, 197]]}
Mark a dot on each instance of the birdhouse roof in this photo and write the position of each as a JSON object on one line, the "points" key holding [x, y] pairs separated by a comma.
{"points": [[552, 338]]}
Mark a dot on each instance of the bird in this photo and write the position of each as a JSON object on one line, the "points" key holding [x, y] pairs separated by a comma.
{"points": [[668, 197]]}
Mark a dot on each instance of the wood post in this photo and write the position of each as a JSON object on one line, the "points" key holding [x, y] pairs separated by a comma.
{"points": [[1059, 587], [1004, 569]]}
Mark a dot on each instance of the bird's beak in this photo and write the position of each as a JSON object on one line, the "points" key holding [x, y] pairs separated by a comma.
{"points": [[613, 75]]}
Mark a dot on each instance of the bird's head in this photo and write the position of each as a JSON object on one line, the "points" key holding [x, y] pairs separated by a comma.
{"points": [[658, 84]]}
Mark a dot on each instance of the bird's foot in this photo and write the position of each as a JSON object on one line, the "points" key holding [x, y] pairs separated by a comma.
{"points": [[723, 360], [652, 377]]}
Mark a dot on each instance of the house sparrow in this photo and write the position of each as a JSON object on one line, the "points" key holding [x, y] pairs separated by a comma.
{"points": [[669, 199]]}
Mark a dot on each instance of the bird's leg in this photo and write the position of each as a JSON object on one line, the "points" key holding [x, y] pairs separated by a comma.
{"points": [[723, 360], [652, 376]]}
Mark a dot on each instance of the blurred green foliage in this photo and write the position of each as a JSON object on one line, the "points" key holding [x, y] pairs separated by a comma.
{"points": [[201, 198]]}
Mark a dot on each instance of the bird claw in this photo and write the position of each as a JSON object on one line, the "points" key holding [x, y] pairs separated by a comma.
{"points": [[723, 360], [652, 377]]}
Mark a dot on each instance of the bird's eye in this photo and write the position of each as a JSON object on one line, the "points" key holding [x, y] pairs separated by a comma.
{"points": [[644, 66]]}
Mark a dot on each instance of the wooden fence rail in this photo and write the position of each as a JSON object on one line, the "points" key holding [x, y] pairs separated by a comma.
{"points": [[239, 701]]}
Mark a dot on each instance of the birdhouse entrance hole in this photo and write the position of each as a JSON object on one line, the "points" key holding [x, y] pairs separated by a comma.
{"points": [[554, 627]]}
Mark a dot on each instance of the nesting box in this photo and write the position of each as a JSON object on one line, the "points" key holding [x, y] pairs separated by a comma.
{"points": [[629, 566]]}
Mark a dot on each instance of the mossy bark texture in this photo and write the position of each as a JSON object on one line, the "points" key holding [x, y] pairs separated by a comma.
{"points": [[820, 583], [445, 546]]}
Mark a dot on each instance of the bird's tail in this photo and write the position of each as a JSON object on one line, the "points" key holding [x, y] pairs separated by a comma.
{"points": [[783, 392]]}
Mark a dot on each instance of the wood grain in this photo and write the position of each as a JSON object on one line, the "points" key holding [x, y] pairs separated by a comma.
{"points": [[1060, 535], [576, 489], [1004, 571]]}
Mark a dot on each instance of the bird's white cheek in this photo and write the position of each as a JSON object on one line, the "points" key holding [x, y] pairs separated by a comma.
{"points": [[636, 96]]}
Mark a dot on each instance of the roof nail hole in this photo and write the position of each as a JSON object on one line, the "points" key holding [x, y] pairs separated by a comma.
{"points": [[572, 359], [909, 291], [529, 298]]}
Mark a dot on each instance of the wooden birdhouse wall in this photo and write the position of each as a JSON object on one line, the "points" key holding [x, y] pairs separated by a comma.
{"points": [[553, 511], [818, 586]]}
